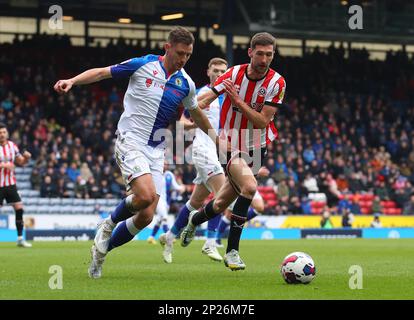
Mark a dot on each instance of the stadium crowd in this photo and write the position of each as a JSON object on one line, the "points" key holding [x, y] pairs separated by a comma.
{"points": [[346, 126]]}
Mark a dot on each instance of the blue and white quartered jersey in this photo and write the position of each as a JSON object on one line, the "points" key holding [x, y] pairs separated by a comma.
{"points": [[152, 98], [213, 114], [169, 186]]}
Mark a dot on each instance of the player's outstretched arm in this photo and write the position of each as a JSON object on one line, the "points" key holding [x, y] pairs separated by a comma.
{"points": [[205, 99], [89, 76]]}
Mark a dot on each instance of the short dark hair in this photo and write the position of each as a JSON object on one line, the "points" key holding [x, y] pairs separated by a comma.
{"points": [[2, 125], [262, 39], [180, 35], [217, 61]]}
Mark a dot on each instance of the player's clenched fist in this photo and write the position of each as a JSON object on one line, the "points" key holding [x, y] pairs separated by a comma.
{"points": [[63, 86], [27, 154]]}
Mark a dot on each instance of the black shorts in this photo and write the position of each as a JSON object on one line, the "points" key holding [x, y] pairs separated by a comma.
{"points": [[254, 158], [10, 194]]}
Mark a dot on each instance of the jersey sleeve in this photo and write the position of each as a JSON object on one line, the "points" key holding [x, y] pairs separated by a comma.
{"points": [[16, 150], [277, 94], [127, 68], [190, 101], [218, 85]]}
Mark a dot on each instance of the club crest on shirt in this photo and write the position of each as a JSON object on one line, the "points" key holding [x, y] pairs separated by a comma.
{"points": [[178, 82], [148, 82]]}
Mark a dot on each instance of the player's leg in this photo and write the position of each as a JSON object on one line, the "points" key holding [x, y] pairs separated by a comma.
{"points": [[257, 207], [225, 196], [242, 178], [200, 193], [129, 228], [223, 225], [214, 183], [158, 220], [13, 198]]}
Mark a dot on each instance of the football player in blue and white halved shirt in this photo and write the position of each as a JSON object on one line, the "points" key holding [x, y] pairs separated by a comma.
{"points": [[158, 86]]}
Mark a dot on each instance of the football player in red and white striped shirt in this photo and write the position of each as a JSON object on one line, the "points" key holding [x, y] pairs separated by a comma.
{"points": [[252, 93], [9, 156]]}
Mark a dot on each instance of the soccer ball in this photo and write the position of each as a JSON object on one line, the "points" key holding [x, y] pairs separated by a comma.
{"points": [[298, 267]]}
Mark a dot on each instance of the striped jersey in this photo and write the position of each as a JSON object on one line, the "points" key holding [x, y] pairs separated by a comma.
{"points": [[152, 99], [256, 93], [8, 153]]}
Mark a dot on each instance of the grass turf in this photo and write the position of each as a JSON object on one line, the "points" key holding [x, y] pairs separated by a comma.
{"points": [[136, 271]]}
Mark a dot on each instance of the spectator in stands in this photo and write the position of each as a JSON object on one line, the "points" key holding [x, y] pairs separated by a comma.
{"points": [[35, 179], [62, 189], [73, 172], [354, 207], [409, 206], [48, 189], [376, 206], [282, 191], [347, 219], [376, 223], [326, 222], [344, 204], [311, 184], [81, 189], [295, 206]]}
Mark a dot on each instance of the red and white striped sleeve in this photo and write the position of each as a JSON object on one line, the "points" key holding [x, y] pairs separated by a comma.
{"points": [[277, 94], [15, 149], [218, 85]]}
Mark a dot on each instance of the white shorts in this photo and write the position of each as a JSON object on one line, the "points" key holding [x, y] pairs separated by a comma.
{"points": [[207, 165], [136, 159], [257, 195]]}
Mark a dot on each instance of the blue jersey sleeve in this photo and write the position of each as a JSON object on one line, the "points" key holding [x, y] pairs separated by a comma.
{"points": [[127, 68]]}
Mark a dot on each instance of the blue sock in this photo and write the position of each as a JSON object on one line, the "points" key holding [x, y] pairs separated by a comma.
{"points": [[155, 230], [212, 227], [121, 212], [224, 223], [251, 214], [165, 227], [124, 233], [182, 218]]}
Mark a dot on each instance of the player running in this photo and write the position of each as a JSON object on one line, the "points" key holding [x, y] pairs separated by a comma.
{"points": [[9, 156], [158, 86], [252, 93], [170, 184]]}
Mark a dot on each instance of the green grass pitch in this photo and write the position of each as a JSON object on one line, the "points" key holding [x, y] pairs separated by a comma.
{"points": [[136, 271]]}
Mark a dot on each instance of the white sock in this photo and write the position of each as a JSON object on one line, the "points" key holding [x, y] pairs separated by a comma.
{"points": [[210, 241], [19, 238], [170, 236], [189, 206], [225, 219], [131, 226]]}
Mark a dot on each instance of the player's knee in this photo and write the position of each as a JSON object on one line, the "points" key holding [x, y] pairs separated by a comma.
{"points": [[144, 199], [249, 189], [145, 217]]}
